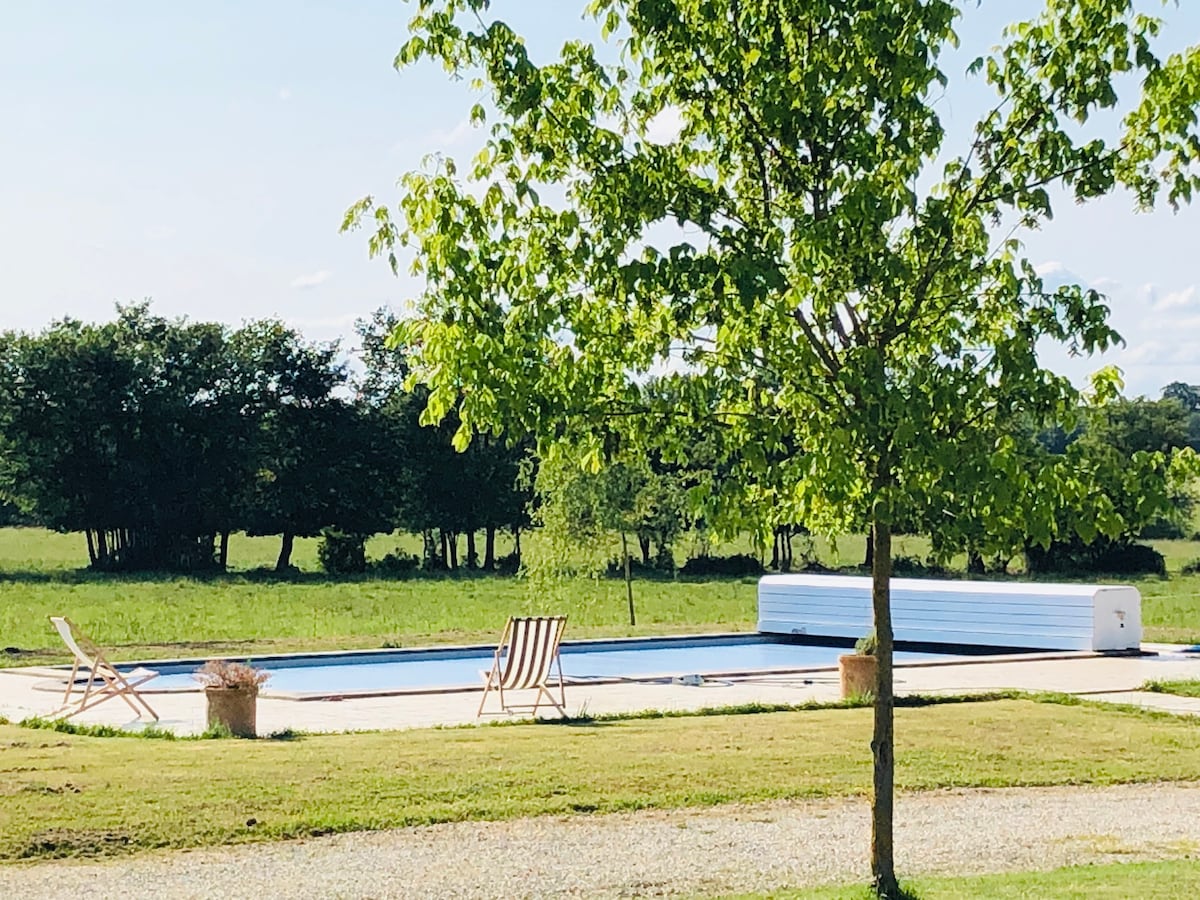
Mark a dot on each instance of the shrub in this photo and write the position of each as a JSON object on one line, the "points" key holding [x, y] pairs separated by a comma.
{"points": [[221, 673], [911, 565], [1191, 568], [397, 563], [637, 568], [867, 645], [1162, 528], [1101, 556], [736, 564], [509, 564], [342, 554]]}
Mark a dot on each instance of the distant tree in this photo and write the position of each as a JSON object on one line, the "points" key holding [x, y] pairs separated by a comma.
{"points": [[1187, 394], [583, 513], [11, 515], [438, 492], [132, 431], [1130, 426], [321, 461]]}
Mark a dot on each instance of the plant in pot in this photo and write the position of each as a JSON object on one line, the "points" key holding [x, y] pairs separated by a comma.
{"points": [[231, 689], [858, 669]]}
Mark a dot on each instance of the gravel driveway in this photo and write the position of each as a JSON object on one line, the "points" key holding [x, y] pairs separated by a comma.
{"points": [[710, 851]]}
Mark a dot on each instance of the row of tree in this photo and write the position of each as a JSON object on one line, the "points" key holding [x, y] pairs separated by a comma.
{"points": [[157, 439]]}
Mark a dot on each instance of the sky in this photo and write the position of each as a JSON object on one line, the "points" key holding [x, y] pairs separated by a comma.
{"points": [[202, 156]]}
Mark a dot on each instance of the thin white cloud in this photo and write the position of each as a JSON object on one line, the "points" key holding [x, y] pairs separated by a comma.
{"points": [[1178, 300], [440, 139], [1049, 268], [285, 94], [1055, 274], [455, 136], [1143, 354], [303, 282]]}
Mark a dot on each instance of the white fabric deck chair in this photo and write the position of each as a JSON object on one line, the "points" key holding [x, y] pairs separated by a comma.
{"points": [[528, 651], [104, 682]]}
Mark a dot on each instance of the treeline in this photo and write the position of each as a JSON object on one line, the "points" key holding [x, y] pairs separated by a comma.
{"points": [[158, 438]]}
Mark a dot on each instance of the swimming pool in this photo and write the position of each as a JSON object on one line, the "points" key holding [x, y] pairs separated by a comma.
{"points": [[430, 670]]}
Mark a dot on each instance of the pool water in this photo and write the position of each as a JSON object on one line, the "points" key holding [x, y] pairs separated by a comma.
{"points": [[402, 671]]}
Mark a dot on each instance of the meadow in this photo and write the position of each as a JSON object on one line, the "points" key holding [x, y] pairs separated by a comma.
{"points": [[252, 610]]}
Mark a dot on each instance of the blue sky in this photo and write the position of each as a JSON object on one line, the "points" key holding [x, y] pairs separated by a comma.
{"points": [[202, 155]]}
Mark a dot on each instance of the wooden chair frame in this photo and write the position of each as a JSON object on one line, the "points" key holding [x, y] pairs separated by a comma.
{"points": [[104, 681], [528, 651]]}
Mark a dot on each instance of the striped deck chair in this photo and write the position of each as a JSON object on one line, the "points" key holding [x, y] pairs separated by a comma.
{"points": [[527, 652], [104, 682]]}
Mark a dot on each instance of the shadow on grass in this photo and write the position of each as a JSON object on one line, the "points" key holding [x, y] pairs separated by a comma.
{"points": [[238, 576]]}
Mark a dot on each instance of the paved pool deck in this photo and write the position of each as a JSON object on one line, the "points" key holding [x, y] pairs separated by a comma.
{"points": [[23, 693]]}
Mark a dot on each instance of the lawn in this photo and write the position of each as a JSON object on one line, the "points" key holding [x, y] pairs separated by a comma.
{"points": [[1173, 880], [1184, 688], [252, 611], [69, 794]]}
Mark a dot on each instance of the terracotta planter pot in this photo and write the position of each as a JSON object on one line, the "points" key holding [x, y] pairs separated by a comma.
{"points": [[235, 708], [858, 674]]}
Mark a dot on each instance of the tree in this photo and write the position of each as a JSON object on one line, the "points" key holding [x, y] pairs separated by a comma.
{"points": [[582, 511], [436, 488], [132, 431], [1187, 394], [809, 244], [318, 457]]}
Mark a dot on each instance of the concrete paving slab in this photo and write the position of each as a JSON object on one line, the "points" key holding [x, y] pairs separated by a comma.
{"points": [[1117, 679]]}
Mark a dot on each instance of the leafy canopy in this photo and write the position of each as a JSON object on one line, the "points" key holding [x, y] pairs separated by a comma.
{"points": [[842, 296]]}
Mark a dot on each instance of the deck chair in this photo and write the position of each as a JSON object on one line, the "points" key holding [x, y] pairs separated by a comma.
{"points": [[528, 651], [104, 682]]}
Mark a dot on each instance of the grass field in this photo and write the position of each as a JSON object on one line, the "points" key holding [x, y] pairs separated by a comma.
{"points": [[68, 794], [252, 611]]}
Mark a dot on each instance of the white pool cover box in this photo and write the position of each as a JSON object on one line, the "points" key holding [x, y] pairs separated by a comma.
{"points": [[979, 613]]}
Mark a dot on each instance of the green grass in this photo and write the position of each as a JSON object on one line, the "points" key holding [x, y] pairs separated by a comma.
{"points": [[1180, 688], [67, 794], [252, 612], [1170, 880]]}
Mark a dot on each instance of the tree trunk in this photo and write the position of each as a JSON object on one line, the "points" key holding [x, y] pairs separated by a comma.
{"points": [[472, 555], [489, 547], [452, 543], [101, 548], [975, 564], [644, 545], [869, 559], [91, 548], [445, 548], [517, 546], [628, 577], [223, 555], [788, 557], [775, 558], [285, 552], [883, 867]]}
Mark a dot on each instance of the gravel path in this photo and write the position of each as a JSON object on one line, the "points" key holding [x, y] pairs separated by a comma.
{"points": [[723, 849]]}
